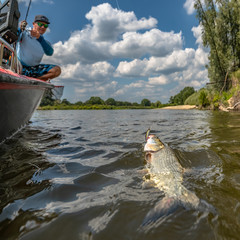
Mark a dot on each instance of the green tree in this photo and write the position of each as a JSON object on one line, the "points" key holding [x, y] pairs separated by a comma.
{"points": [[94, 100], [180, 98], [79, 103], [65, 102], [157, 104], [47, 99], [220, 20], [111, 102], [145, 102]]}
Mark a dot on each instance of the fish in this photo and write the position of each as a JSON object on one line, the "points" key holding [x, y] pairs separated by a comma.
{"points": [[166, 173]]}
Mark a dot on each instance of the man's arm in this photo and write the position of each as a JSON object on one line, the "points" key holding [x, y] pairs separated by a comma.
{"points": [[47, 47]]}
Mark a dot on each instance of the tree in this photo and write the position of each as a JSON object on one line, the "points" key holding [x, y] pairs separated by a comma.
{"points": [[66, 102], [79, 103], [220, 20], [95, 100], [47, 99], [111, 102], [145, 102], [180, 98], [157, 104]]}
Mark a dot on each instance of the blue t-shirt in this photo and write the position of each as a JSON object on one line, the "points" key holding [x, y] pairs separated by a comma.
{"points": [[30, 50]]}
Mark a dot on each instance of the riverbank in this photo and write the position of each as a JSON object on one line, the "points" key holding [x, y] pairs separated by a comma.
{"points": [[105, 107], [181, 107]]}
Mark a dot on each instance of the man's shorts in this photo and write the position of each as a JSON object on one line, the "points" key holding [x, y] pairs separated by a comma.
{"points": [[36, 71]]}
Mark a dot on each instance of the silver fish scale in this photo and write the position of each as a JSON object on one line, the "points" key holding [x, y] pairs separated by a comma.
{"points": [[167, 173], [165, 162]]}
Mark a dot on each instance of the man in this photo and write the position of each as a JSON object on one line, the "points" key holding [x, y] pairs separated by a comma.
{"points": [[31, 47]]}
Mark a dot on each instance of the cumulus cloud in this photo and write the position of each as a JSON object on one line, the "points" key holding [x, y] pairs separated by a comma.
{"points": [[108, 23], [109, 56], [153, 42], [161, 80], [98, 71], [197, 33], [189, 6], [175, 62]]}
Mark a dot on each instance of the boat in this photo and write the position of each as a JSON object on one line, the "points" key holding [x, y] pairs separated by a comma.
{"points": [[19, 95]]}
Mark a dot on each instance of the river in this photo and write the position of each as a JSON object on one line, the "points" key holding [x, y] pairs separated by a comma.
{"points": [[78, 175]]}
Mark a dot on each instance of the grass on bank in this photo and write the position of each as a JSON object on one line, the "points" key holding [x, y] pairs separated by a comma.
{"points": [[212, 99]]}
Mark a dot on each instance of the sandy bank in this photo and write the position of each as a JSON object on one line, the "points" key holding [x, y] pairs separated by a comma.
{"points": [[181, 107]]}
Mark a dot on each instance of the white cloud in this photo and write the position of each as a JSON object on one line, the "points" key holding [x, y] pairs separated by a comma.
{"points": [[175, 62], [161, 80], [110, 55], [189, 6], [100, 71], [108, 23], [197, 33], [153, 42]]}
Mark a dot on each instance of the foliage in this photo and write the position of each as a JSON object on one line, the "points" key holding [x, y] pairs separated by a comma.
{"points": [[95, 100], [145, 102], [65, 102], [220, 23], [157, 104], [200, 98], [111, 102], [193, 99], [203, 98], [47, 99], [180, 98], [96, 103], [80, 103]]}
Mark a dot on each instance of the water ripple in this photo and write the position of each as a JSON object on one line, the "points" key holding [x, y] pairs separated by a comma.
{"points": [[79, 175]]}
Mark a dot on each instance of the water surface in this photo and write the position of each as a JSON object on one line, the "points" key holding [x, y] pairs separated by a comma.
{"points": [[78, 175]]}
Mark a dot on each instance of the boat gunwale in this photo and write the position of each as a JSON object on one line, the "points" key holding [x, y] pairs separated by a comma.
{"points": [[9, 78]]}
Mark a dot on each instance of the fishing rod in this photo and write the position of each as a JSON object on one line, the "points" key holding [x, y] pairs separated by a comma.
{"points": [[28, 9], [24, 23]]}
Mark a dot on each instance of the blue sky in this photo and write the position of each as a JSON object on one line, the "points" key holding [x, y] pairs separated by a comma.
{"points": [[125, 49]]}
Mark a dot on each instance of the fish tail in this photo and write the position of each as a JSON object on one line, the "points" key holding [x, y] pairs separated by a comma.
{"points": [[188, 200], [164, 207]]}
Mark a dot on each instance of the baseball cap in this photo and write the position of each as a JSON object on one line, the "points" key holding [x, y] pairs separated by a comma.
{"points": [[41, 18]]}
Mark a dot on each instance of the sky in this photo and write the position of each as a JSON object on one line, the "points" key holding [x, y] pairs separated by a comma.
{"points": [[123, 49]]}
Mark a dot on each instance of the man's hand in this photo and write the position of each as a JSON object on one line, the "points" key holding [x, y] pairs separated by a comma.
{"points": [[23, 25], [35, 33]]}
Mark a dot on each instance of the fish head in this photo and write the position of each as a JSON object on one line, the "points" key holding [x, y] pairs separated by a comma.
{"points": [[153, 144]]}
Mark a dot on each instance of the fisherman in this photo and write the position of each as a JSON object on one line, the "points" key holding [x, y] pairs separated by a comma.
{"points": [[31, 47]]}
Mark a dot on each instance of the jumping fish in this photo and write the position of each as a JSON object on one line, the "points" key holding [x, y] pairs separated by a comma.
{"points": [[166, 173]]}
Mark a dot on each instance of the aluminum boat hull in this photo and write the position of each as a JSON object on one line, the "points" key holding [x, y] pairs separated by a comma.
{"points": [[19, 98]]}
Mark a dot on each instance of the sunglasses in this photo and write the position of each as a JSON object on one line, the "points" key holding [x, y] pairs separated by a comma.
{"points": [[42, 24]]}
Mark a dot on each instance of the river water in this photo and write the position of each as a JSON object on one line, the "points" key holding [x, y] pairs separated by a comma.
{"points": [[79, 175]]}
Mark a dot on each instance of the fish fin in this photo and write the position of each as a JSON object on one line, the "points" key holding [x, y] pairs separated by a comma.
{"points": [[206, 207], [189, 200], [168, 205], [164, 207]]}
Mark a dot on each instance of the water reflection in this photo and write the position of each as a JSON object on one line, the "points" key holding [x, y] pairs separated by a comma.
{"points": [[22, 163], [225, 141], [77, 175]]}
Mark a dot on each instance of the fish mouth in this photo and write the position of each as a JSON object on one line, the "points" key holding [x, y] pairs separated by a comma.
{"points": [[153, 143]]}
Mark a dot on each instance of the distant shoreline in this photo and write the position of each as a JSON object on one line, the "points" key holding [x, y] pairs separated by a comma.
{"points": [[181, 107], [101, 107]]}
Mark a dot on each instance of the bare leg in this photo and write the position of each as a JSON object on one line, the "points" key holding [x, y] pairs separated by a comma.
{"points": [[53, 73]]}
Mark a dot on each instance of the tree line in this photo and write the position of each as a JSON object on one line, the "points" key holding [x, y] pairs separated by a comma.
{"points": [[94, 100], [220, 21], [178, 99]]}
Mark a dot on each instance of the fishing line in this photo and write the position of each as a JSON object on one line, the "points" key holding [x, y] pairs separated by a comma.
{"points": [[117, 5]]}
